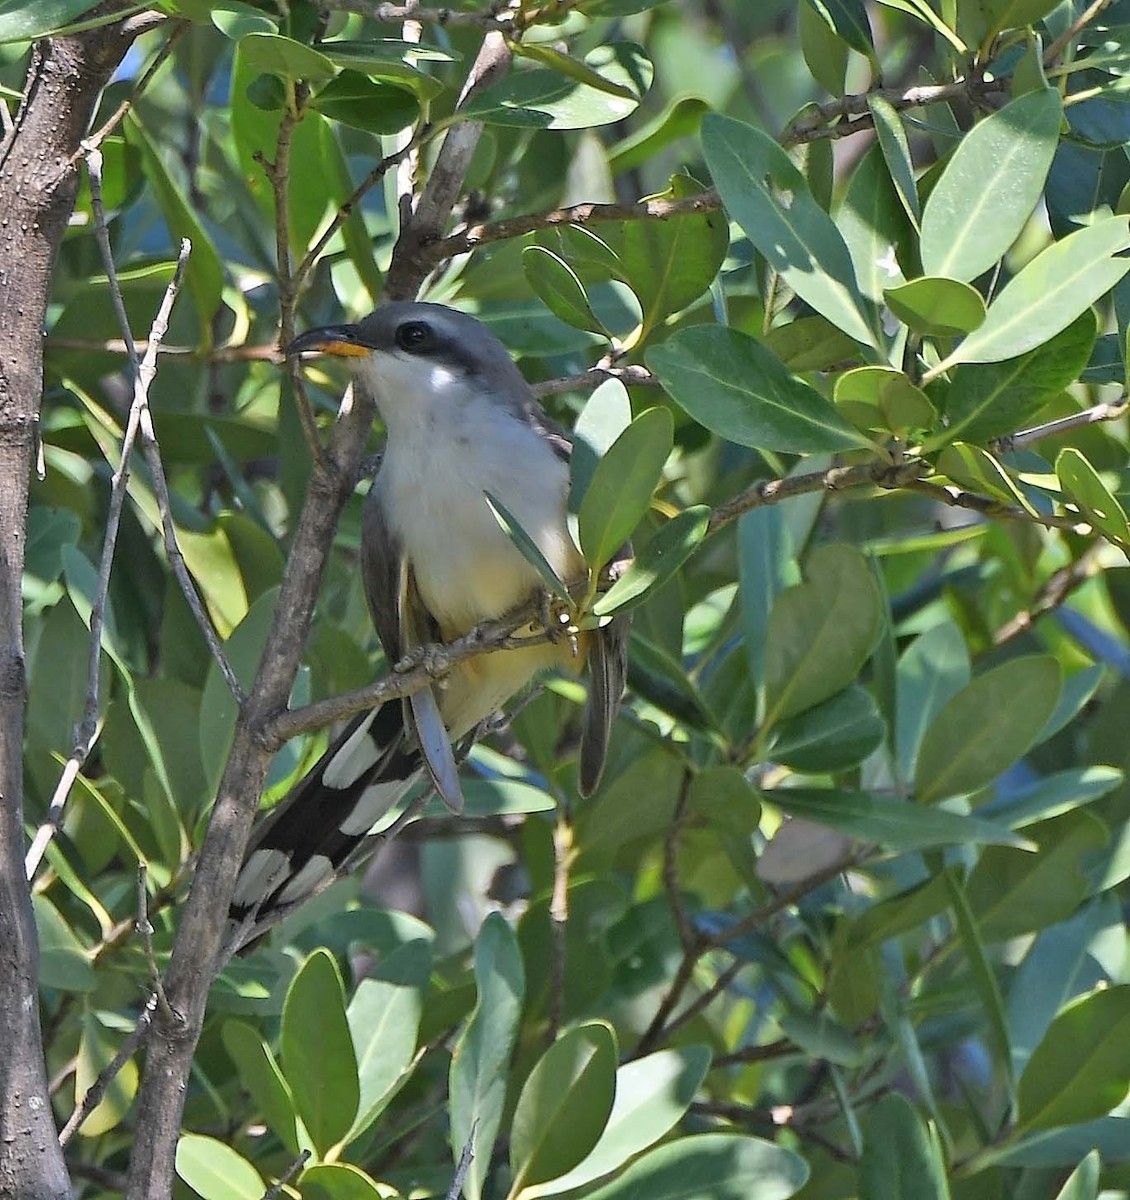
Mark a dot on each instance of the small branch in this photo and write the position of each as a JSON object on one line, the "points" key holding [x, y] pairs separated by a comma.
{"points": [[87, 730], [1074, 29], [414, 672], [1089, 416], [103, 132], [988, 506], [463, 1166], [1056, 590], [563, 856], [671, 865], [367, 184], [145, 928], [217, 354], [751, 1054], [813, 122], [574, 214], [289, 284], [630, 376], [276, 1189], [97, 1090]]}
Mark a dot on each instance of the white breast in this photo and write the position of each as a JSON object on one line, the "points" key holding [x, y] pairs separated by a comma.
{"points": [[447, 447]]}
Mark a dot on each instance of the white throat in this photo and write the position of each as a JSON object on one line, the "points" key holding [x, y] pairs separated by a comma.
{"points": [[448, 444]]}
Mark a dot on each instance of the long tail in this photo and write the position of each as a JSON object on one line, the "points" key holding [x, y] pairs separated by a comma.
{"points": [[311, 832]]}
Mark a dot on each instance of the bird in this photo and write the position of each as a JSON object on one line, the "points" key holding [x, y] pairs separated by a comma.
{"points": [[462, 424]]}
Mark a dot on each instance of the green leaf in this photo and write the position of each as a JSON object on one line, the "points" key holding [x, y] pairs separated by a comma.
{"points": [[260, 1076], [887, 821], [26, 20], [985, 982], [549, 56], [900, 1160], [893, 143], [822, 1037], [937, 307], [63, 960], [988, 400], [541, 98], [873, 223], [766, 567], [282, 56], [710, 1166], [656, 562], [317, 1051], [680, 119], [96, 1050], [821, 632], [883, 398], [383, 1016], [497, 797], [622, 485], [386, 60], [977, 469], [1079, 1070], [1013, 894], [559, 288], [363, 103], [215, 1171], [848, 19], [527, 547], [1009, 14], [234, 20], [825, 53], [204, 274], [837, 734], [480, 1064], [769, 198], [1085, 487], [669, 264], [1048, 294], [730, 383], [564, 1104], [652, 1094], [986, 727], [606, 414], [990, 186], [340, 1181], [1083, 1183]]}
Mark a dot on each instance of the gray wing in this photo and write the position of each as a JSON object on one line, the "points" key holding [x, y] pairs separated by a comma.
{"points": [[402, 623]]}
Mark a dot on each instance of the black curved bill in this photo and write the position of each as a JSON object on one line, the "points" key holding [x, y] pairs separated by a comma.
{"points": [[341, 340]]}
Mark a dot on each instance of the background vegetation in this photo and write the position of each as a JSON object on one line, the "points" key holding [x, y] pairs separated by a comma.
{"points": [[845, 918]]}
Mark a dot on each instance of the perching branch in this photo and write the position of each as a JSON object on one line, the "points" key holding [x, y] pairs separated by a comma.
{"points": [[630, 376]]}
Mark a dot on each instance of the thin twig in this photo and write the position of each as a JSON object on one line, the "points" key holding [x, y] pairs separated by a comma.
{"points": [[104, 130], [97, 1089], [671, 864], [630, 376], [289, 285], [563, 856], [1089, 416], [276, 1189], [86, 732], [463, 1166], [989, 506], [1074, 29], [145, 928], [1057, 589], [367, 184]]}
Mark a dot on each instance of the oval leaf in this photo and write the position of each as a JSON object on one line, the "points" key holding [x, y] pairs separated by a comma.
{"points": [[990, 186], [986, 727], [938, 307], [767, 195], [730, 383], [821, 632], [621, 487], [564, 1104], [710, 1166], [215, 1171], [657, 561], [317, 1051], [1085, 486]]}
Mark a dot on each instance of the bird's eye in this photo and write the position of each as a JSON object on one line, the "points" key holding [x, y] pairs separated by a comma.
{"points": [[414, 337]]}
